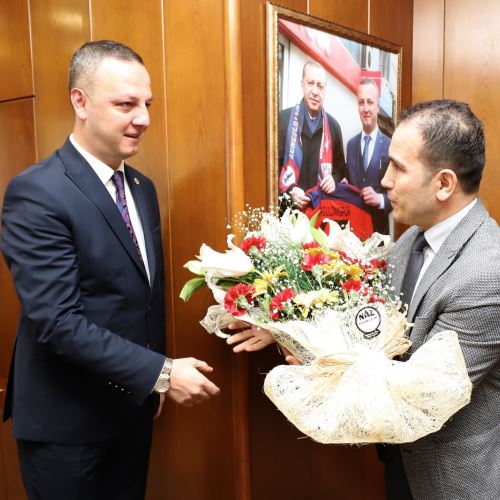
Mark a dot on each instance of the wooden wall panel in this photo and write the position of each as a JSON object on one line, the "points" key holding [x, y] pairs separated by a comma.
{"points": [[471, 74], [58, 28], [198, 207], [15, 52], [428, 56], [353, 14], [17, 151], [393, 21], [456, 43]]}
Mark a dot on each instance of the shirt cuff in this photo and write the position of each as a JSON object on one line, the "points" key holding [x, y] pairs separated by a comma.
{"points": [[381, 202], [163, 382]]}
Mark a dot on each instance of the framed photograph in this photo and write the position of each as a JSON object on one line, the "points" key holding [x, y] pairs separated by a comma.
{"points": [[326, 84]]}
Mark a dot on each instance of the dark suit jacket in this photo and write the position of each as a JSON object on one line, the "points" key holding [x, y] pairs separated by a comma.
{"points": [[311, 145], [82, 368], [357, 176]]}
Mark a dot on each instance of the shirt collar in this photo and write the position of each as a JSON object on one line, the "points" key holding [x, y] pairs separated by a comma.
{"points": [[373, 135], [103, 171], [436, 235]]}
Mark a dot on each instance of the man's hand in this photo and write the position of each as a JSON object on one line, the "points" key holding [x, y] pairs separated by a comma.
{"points": [[370, 197], [300, 200], [252, 338], [289, 357], [327, 184], [188, 385]]}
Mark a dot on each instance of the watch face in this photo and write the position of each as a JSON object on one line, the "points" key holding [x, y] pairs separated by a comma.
{"points": [[163, 385]]}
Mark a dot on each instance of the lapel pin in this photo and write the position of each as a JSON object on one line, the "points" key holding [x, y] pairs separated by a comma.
{"points": [[136, 180]]}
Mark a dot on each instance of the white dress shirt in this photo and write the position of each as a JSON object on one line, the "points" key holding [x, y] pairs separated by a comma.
{"points": [[105, 174], [436, 236]]}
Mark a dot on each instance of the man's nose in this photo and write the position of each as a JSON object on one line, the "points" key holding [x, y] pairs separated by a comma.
{"points": [[142, 117], [386, 181]]}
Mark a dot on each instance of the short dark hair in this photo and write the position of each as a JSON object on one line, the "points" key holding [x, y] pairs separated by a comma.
{"points": [[85, 60], [453, 137]]}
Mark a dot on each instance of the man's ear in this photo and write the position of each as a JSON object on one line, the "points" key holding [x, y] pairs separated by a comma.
{"points": [[447, 184], [79, 101]]}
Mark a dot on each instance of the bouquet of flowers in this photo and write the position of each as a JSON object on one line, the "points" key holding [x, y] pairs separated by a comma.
{"points": [[326, 297]]}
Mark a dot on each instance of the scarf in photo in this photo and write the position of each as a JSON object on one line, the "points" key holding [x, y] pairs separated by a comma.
{"points": [[292, 161]]}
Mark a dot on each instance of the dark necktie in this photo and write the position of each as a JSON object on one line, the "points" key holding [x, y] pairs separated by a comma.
{"points": [[365, 152], [121, 203], [414, 266]]}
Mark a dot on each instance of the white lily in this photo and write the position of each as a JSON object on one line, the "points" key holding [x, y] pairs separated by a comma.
{"points": [[334, 230], [376, 246], [234, 262], [297, 225], [194, 266]]}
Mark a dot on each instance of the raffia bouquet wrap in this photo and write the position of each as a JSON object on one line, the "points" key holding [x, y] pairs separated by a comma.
{"points": [[327, 299], [361, 396]]}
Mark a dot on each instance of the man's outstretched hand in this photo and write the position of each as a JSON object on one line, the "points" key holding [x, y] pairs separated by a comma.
{"points": [[188, 384]]}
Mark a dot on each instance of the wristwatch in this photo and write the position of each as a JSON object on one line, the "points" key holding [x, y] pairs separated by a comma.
{"points": [[163, 383]]}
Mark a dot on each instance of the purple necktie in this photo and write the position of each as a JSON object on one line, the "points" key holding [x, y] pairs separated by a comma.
{"points": [[121, 203]]}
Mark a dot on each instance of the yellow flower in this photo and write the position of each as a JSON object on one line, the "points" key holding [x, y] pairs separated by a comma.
{"points": [[315, 299], [354, 271], [261, 286], [267, 280]]}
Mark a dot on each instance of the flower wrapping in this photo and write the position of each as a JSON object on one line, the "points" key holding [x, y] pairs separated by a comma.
{"points": [[363, 396], [326, 297]]}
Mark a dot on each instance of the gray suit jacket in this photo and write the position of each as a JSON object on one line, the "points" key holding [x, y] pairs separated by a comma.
{"points": [[460, 291]]}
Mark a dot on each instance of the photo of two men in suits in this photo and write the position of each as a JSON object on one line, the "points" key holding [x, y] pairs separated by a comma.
{"points": [[302, 151]]}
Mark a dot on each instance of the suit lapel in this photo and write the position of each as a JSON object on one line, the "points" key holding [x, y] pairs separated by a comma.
{"points": [[400, 258], [137, 191], [81, 173]]}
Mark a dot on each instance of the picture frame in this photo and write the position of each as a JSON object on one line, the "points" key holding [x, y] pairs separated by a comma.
{"points": [[346, 55]]}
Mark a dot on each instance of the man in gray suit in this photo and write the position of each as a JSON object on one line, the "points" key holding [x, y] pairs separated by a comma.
{"points": [[436, 164]]}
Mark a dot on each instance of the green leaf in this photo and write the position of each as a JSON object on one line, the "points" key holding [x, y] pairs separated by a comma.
{"points": [[190, 287], [319, 236], [314, 218]]}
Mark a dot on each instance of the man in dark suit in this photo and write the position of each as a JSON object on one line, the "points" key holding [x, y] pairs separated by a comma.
{"points": [[81, 236], [367, 157], [447, 266], [310, 150]]}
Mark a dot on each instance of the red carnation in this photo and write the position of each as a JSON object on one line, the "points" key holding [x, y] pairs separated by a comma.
{"points": [[312, 244], [259, 242], [352, 286], [239, 298], [276, 305], [378, 264], [314, 259], [374, 299]]}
